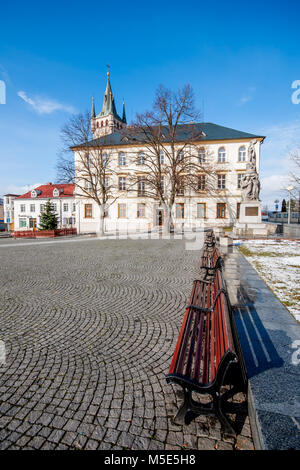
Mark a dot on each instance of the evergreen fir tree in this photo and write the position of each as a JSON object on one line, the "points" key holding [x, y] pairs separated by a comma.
{"points": [[48, 218]]}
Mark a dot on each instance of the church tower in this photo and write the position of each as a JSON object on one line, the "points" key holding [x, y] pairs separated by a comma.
{"points": [[108, 120]]}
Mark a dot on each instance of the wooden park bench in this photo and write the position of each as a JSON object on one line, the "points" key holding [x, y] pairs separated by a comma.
{"points": [[206, 350]]}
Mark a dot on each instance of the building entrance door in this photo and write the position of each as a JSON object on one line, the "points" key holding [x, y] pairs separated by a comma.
{"points": [[160, 217], [32, 223]]}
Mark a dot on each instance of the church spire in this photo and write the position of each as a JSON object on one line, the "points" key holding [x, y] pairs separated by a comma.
{"points": [[109, 106], [93, 113], [107, 121], [124, 114]]}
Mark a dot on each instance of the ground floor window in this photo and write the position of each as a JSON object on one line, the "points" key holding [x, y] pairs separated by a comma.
{"points": [[180, 211], [121, 211], [88, 210], [201, 210], [221, 210], [141, 211], [22, 223]]}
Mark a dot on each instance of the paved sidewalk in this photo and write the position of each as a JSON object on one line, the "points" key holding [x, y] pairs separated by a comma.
{"points": [[90, 329]]}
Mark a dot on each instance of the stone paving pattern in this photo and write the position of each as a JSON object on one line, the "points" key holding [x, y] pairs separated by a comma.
{"points": [[90, 329]]}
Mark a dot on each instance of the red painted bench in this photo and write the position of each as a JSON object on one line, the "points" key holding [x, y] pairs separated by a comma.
{"points": [[205, 351]]}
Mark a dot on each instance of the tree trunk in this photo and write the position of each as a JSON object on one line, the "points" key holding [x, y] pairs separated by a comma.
{"points": [[169, 221], [101, 230]]}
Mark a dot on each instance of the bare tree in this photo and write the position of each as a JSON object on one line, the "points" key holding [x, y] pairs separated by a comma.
{"points": [[91, 169], [173, 162], [295, 173]]}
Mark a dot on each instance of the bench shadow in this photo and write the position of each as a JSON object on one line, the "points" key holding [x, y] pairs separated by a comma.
{"points": [[258, 350]]}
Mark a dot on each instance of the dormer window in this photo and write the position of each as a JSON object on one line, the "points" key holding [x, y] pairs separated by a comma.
{"points": [[33, 193], [55, 192]]}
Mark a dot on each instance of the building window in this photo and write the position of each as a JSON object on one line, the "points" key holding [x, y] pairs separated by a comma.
{"points": [[54, 207], [180, 187], [162, 184], [122, 159], [201, 210], [106, 183], [88, 185], [202, 155], [221, 155], [65, 207], [122, 183], [238, 210], [141, 186], [105, 160], [221, 210], [23, 223], [221, 181], [239, 180], [141, 158], [122, 211], [201, 182], [73, 207], [42, 207], [242, 154], [180, 211], [141, 211], [88, 211], [32, 207], [22, 208], [162, 157], [180, 156]]}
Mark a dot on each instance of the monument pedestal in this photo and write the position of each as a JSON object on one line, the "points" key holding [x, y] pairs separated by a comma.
{"points": [[249, 222]]}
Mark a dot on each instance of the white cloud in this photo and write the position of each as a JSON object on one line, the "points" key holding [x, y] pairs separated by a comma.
{"points": [[248, 96], [15, 189], [45, 105]]}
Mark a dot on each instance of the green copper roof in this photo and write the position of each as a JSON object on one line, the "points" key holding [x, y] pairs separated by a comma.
{"points": [[109, 106]]}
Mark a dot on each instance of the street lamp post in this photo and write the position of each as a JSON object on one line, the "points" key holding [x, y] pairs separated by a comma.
{"points": [[289, 189]]}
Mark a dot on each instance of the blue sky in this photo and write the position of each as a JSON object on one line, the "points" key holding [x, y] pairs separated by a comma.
{"points": [[241, 59]]}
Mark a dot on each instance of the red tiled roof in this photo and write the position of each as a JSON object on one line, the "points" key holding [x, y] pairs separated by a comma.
{"points": [[47, 191]]}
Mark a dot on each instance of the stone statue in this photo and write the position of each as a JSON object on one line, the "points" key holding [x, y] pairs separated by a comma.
{"points": [[250, 184]]}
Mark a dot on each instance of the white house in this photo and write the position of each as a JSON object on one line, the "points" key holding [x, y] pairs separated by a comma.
{"points": [[9, 210], [221, 148], [29, 206]]}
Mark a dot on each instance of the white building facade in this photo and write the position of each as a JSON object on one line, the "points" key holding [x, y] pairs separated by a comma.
{"points": [[223, 150], [9, 216], [29, 206]]}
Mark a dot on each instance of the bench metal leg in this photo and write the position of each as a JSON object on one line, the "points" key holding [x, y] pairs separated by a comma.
{"points": [[226, 426], [213, 408], [181, 413]]}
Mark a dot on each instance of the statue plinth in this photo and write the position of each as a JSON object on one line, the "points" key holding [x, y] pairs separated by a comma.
{"points": [[249, 222], [250, 212]]}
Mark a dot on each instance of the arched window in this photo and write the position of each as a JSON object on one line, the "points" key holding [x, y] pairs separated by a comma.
{"points": [[106, 122], [242, 154], [202, 155], [141, 158], [97, 125], [162, 157], [101, 123], [222, 154]]}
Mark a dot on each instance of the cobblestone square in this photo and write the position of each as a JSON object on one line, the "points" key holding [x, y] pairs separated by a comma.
{"points": [[89, 328]]}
